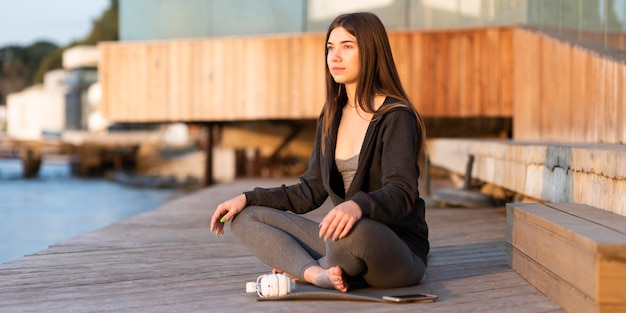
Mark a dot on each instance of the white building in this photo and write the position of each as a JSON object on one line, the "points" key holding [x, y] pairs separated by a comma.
{"points": [[43, 109], [37, 110]]}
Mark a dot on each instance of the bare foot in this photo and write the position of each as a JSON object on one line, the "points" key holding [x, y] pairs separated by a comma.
{"points": [[331, 278], [277, 271]]}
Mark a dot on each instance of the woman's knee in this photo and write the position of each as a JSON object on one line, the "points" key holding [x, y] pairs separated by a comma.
{"points": [[362, 233], [358, 239], [244, 217]]}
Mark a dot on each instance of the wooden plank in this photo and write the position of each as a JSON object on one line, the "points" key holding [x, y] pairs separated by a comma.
{"points": [[587, 255], [400, 43], [415, 86], [282, 76], [562, 91], [203, 81], [492, 64], [527, 114], [306, 93], [604, 218], [621, 102], [580, 100], [611, 117], [166, 260], [549, 83], [559, 254], [428, 76], [561, 110], [578, 84], [440, 74], [507, 59], [451, 88], [570, 298], [480, 82], [465, 72]]}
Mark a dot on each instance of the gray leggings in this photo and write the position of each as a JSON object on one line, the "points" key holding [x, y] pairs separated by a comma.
{"points": [[290, 243]]}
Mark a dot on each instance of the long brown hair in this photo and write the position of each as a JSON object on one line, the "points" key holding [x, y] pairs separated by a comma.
{"points": [[377, 74]]}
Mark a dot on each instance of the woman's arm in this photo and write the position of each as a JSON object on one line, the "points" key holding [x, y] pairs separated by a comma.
{"points": [[302, 197], [225, 212]]}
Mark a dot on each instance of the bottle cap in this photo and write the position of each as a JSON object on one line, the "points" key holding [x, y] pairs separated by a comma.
{"points": [[250, 287]]}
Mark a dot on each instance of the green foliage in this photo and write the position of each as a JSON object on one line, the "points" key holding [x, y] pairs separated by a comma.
{"points": [[18, 65], [51, 61], [106, 27], [21, 67]]}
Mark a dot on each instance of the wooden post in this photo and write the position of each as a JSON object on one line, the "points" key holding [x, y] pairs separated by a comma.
{"points": [[467, 181], [208, 166], [31, 161]]}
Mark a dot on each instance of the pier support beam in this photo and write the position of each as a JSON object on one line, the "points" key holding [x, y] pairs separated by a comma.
{"points": [[31, 161], [211, 129]]}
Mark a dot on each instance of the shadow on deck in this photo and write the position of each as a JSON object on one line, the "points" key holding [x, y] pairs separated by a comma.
{"points": [[167, 260]]}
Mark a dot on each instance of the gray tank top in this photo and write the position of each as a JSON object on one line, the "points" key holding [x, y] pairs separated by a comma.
{"points": [[347, 168]]}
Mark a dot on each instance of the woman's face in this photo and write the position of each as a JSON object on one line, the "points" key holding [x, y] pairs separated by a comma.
{"points": [[343, 56]]}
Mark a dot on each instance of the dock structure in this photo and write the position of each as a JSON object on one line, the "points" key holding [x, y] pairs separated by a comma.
{"points": [[89, 152], [167, 260], [31, 153]]}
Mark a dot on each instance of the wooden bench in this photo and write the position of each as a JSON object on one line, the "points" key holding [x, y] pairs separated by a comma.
{"points": [[573, 253]]}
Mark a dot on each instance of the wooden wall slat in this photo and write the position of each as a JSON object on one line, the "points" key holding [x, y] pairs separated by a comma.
{"points": [[401, 47], [451, 74], [507, 88], [561, 109], [578, 114], [527, 121], [554, 90], [479, 84], [595, 96], [609, 133], [492, 65], [549, 84], [621, 106], [445, 73], [417, 89], [465, 70], [589, 97], [306, 78], [440, 66], [576, 94]]}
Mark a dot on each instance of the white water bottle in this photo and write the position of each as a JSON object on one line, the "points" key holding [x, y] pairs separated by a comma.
{"points": [[271, 285]]}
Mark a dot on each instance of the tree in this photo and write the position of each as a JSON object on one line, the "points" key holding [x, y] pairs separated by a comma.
{"points": [[18, 66], [105, 28]]}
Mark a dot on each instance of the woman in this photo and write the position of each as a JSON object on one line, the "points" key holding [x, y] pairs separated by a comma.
{"points": [[365, 158]]}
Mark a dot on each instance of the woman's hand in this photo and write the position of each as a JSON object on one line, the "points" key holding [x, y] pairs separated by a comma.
{"points": [[225, 212], [339, 221]]}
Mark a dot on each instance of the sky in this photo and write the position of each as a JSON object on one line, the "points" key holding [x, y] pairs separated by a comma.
{"points": [[23, 22]]}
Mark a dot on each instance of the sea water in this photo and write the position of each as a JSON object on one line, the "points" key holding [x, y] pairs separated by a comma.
{"points": [[56, 206]]}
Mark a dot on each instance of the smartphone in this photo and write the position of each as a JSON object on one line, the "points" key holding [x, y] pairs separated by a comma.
{"points": [[416, 297]]}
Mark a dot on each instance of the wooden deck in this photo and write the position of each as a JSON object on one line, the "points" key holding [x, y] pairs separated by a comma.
{"points": [[166, 260]]}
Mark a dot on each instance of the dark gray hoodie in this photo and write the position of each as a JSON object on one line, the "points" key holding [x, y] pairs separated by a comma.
{"points": [[385, 184]]}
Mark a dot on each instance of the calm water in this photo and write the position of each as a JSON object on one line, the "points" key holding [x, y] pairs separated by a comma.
{"points": [[56, 206]]}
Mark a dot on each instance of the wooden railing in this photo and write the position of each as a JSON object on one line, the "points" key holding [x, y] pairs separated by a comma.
{"points": [[453, 73]]}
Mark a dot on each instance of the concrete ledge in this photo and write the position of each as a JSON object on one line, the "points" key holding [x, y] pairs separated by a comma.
{"points": [[592, 174]]}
